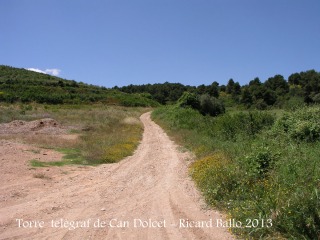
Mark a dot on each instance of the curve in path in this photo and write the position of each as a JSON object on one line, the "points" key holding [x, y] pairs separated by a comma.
{"points": [[145, 196]]}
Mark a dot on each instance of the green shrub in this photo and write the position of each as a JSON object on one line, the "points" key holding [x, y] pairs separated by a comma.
{"points": [[249, 123], [211, 105], [261, 104], [189, 100], [259, 162], [316, 98], [301, 125], [205, 104], [293, 103]]}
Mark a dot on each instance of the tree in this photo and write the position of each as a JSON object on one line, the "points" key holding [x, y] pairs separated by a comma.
{"points": [[229, 88], [277, 84], [236, 89], [211, 105], [213, 89], [201, 89], [307, 94], [189, 100], [269, 97], [246, 97], [294, 79], [223, 88], [255, 82]]}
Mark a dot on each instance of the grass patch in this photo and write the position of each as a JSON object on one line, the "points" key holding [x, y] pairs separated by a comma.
{"points": [[107, 134], [130, 139], [37, 163], [10, 112], [71, 156]]}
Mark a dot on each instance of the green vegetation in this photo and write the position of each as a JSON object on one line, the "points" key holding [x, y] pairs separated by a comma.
{"points": [[37, 163], [204, 103], [21, 85], [255, 165], [71, 156], [103, 134], [302, 125], [10, 112], [300, 88], [107, 133], [162, 93], [109, 138]]}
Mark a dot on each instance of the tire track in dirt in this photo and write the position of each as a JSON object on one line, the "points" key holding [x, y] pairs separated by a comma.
{"points": [[151, 184]]}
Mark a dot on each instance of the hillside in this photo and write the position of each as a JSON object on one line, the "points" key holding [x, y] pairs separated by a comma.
{"points": [[21, 85]]}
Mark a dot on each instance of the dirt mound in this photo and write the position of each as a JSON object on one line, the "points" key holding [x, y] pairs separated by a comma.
{"points": [[45, 126]]}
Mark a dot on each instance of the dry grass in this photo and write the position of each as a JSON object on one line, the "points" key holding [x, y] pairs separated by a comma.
{"points": [[110, 138], [102, 134], [43, 140]]}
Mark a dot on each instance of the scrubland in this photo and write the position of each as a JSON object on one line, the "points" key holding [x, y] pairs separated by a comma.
{"points": [[258, 166]]}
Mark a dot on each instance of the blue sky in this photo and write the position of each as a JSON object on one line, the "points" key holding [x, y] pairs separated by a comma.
{"points": [[121, 42]]}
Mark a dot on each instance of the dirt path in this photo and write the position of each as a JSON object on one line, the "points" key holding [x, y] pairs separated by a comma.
{"points": [[115, 201]]}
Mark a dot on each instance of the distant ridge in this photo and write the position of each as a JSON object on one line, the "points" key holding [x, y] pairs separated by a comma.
{"points": [[22, 85]]}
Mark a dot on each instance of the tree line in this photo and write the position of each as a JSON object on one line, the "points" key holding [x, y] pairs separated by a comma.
{"points": [[299, 88], [21, 85]]}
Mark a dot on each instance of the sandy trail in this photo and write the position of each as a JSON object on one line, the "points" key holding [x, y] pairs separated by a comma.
{"points": [[153, 184]]}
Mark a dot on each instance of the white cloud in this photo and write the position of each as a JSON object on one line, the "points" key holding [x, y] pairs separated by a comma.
{"points": [[53, 71], [36, 70]]}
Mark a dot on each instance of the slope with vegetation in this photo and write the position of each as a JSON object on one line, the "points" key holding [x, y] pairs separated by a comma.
{"points": [[260, 166], [21, 85], [111, 128]]}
